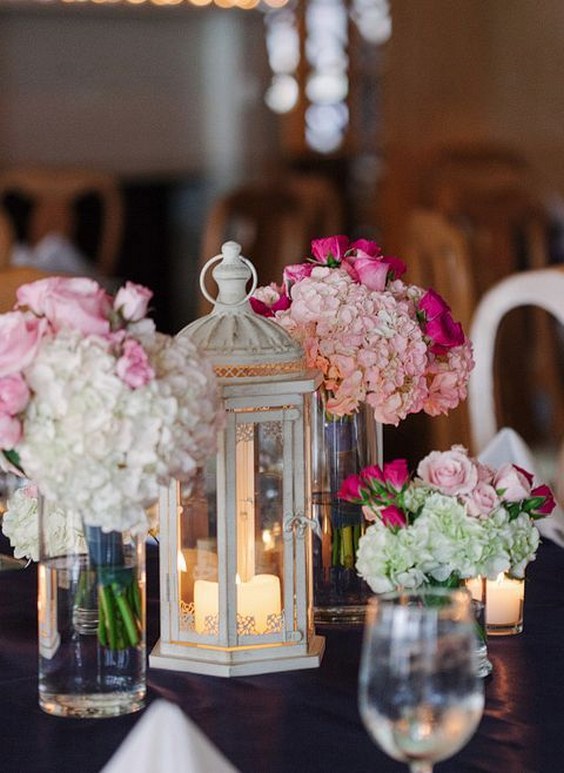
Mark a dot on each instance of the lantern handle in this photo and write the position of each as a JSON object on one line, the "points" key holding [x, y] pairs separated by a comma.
{"points": [[230, 255]]}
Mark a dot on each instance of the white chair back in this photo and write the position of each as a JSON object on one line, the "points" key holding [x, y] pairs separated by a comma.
{"points": [[543, 288]]}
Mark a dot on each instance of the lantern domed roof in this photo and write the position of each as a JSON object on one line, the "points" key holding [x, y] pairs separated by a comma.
{"points": [[238, 341]]}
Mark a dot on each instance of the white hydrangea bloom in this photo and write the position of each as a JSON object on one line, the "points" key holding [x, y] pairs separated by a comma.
{"points": [[93, 444], [21, 525]]}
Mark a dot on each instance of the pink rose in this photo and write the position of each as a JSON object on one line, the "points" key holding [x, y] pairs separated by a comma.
{"points": [[393, 516], [20, 336], [451, 472], [370, 272], [14, 394], [295, 273], [439, 325], [512, 484], [10, 431], [132, 301], [482, 500], [74, 302], [330, 251], [133, 366]]}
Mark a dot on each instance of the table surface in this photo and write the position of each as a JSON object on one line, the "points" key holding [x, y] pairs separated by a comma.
{"points": [[299, 720]]}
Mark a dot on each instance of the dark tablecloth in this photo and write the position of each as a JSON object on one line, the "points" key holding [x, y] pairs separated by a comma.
{"points": [[298, 720]]}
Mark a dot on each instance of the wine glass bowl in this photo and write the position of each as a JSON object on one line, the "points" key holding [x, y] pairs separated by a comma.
{"points": [[420, 696]]}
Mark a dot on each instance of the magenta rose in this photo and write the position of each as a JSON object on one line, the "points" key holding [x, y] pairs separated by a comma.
{"points": [[393, 516], [10, 431], [14, 394], [365, 247], [396, 473], [372, 473], [331, 250], [451, 472], [73, 302], [546, 507], [133, 366], [262, 308], [439, 325], [132, 301], [351, 489], [512, 483], [20, 336]]}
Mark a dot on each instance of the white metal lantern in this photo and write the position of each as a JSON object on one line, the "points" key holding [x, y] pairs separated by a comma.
{"points": [[235, 549]]}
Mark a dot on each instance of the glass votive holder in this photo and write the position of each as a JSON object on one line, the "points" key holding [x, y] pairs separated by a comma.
{"points": [[505, 598]]}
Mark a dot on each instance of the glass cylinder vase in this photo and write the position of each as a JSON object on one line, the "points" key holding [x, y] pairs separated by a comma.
{"points": [[91, 617], [341, 446]]}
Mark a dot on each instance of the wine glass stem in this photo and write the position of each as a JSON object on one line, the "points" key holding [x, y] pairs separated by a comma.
{"points": [[420, 766]]}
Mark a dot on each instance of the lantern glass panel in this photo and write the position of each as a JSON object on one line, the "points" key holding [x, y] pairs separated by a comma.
{"points": [[197, 537], [259, 495]]}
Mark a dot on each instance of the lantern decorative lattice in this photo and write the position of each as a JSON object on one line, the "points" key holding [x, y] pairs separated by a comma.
{"points": [[235, 548]]}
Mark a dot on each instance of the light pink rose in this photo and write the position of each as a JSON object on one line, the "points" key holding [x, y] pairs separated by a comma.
{"points": [[512, 483], [482, 500], [370, 272], [295, 273], [74, 302], [20, 336], [133, 366], [132, 301], [451, 472], [10, 431], [14, 394]]}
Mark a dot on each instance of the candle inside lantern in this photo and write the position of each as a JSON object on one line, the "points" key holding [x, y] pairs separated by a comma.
{"points": [[504, 605], [258, 598]]}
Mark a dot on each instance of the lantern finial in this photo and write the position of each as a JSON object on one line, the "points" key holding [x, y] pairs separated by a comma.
{"points": [[239, 342]]}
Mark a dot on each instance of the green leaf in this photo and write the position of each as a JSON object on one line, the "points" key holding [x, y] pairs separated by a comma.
{"points": [[14, 458]]}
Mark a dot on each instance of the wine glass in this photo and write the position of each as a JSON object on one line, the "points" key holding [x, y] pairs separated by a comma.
{"points": [[420, 695]]}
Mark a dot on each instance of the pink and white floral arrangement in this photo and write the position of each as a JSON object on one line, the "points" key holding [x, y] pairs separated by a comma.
{"points": [[455, 519], [374, 337], [96, 406]]}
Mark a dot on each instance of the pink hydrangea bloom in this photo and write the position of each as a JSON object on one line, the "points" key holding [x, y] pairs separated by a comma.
{"points": [[375, 338]]}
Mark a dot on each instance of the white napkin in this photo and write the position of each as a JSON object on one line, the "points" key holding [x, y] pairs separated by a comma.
{"points": [[53, 253], [166, 741], [509, 446]]}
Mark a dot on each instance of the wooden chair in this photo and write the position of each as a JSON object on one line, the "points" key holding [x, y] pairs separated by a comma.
{"points": [[11, 278], [267, 221], [49, 200], [436, 253], [490, 193], [543, 289]]}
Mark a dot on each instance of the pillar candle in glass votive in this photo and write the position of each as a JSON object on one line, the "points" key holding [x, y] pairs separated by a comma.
{"points": [[258, 598], [504, 605]]}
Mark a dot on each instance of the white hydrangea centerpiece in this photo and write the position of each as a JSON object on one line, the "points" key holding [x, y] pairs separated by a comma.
{"points": [[453, 520]]}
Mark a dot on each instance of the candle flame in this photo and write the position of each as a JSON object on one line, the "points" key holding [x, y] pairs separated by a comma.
{"points": [[181, 562]]}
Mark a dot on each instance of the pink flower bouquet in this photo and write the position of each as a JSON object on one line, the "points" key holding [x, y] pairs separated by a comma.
{"points": [[375, 338], [455, 519]]}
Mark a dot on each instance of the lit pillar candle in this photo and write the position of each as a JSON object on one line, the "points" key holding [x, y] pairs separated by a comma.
{"points": [[504, 602], [259, 598]]}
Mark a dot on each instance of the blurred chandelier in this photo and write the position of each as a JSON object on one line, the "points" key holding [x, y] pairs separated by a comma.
{"points": [[242, 4]]}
